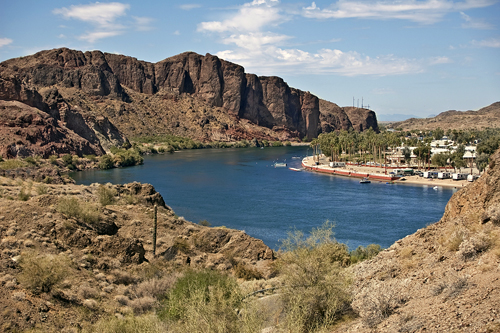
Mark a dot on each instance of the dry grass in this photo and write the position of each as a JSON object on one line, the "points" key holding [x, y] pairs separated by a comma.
{"points": [[130, 324]]}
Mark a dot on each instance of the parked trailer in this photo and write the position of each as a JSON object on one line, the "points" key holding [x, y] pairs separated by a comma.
{"points": [[460, 176], [430, 174], [472, 178], [444, 175]]}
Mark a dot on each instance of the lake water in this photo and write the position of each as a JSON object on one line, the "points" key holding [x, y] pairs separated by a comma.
{"points": [[240, 189]]}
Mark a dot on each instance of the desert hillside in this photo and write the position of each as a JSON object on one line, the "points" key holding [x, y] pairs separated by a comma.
{"points": [[443, 278], [106, 98], [488, 116]]}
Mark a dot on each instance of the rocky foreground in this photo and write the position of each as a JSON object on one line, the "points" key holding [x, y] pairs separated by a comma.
{"points": [[101, 251]]}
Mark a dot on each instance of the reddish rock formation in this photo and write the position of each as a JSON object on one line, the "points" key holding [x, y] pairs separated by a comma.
{"points": [[80, 88], [27, 131]]}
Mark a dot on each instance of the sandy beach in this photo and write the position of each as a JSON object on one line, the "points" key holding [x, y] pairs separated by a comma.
{"points": [[408, 180]]}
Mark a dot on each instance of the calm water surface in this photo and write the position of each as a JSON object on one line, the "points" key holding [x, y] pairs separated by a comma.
{"points": [[240, 189]]}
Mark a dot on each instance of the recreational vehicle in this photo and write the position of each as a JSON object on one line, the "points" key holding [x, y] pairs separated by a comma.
{"points": [[460, 176]]}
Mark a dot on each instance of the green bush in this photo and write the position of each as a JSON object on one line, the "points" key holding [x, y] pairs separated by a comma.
{"points": [[30, 160], [315, 292], [106, 195], [92, 158], [53, 159], [361, 253], [12, 164], [41, 272], [106, 162], [277, 144], [67, 159]]}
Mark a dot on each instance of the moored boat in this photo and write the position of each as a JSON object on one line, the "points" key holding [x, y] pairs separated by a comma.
{"points": [[364, 181]]}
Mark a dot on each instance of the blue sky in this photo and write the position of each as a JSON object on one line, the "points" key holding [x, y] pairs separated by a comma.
{"points": [[415, 57]]}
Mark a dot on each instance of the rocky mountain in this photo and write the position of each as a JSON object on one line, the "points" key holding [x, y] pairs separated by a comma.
{"points": [[105, 98], [488, 116]]}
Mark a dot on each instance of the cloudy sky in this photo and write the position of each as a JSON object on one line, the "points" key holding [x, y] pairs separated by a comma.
{"points": [[414, 57]]}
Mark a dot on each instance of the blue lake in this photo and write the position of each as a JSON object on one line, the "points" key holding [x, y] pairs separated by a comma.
{"points": [[241, 189]]}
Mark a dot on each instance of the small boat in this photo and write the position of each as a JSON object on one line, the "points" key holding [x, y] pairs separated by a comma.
{"points": [[435, 188], [364, 181], [296, 169], [295, 157], [279, 165]]}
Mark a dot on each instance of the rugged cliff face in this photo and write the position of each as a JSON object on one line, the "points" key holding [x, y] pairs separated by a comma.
{"points": [[203, 97]]}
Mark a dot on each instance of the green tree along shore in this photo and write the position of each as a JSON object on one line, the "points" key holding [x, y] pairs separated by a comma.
{"points": [[371, 146]]}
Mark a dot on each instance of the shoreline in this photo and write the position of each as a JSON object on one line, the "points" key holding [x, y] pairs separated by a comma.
{"points": [[378, 174]]}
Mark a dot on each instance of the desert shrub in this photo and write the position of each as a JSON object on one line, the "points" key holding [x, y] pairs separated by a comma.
{"points": [[23, 195], [106, 195], [106, 162], [42, 189], [129, 324], [40, 273], [30, 160], [86, 292], [315, 291], [142, 304], [364, 253], [205, 223], [206, 301], [53, 159], [277, 144], [378, 300], [91, 158], [247, 273], [123, 277], [71, 207], [287, 144], [12, 164], [67, 159], [154, 287]]}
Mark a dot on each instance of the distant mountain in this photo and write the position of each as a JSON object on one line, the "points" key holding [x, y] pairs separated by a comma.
{"points": [[105, 98], [488, 116], [395, 117]]}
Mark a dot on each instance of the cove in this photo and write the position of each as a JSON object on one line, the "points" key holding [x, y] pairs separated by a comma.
{"points": [[241, 189]]}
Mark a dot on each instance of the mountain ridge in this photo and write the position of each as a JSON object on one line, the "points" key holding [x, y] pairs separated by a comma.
{"points": [[201, 97]]}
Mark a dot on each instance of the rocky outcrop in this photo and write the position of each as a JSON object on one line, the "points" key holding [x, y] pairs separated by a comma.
{"points": [[26, 131], [361, 119], [333, 117]]}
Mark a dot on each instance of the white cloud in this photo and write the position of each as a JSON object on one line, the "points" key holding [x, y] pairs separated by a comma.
{"points": [[426, 12], [471, 23], [91, 37], [177, 32], [250, 17], [492, 42], [102, 14], [254, 41], [189, 6], [439, 60], [5, 41], [270, 59], [104, 18], [143, 23]]}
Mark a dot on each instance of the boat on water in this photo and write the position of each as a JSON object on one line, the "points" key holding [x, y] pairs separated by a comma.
{"points": [[279, 165], [364, 181], [295, 157], [296, 169]]}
